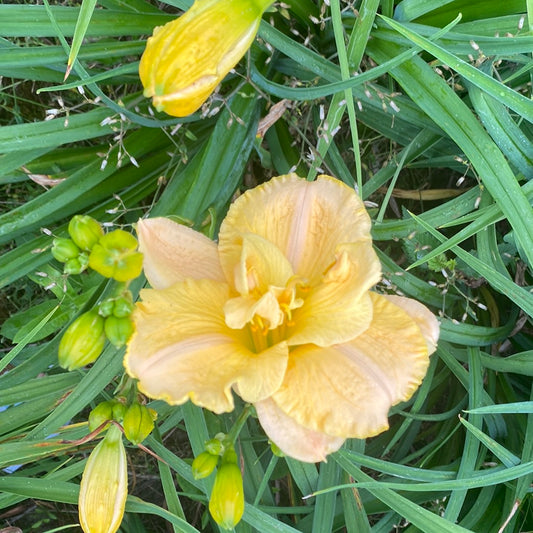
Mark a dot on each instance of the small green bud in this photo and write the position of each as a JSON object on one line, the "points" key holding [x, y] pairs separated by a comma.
{"points": [[103, 412], [138, 423], [275, 450], [85, 231], [204, 465], [123, 305], [77, 265], [119, 410], [64, 249], [82, 342], [115, 256], [118, 330], [106, 307], [215, 446], [226, 504]]}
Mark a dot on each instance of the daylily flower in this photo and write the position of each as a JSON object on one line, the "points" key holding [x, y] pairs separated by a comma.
{"points": [[187, 58], [281, 313]]}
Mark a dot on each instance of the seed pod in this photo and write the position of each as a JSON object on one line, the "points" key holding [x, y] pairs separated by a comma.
{"points": [[82, 342], [104, 486], [77, 264], [85, 231]]}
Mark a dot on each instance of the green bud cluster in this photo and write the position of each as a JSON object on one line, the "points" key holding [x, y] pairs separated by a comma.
{"points": [[117, 313]]}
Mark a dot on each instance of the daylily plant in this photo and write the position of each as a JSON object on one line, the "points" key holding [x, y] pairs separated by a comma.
{"points": [[281, 313]]}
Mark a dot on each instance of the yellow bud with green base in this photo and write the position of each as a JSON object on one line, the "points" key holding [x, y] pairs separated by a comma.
{"points": [[186, 59], [104, 486], [138, 423], [82, 342], [115, 256], [226, 504], [85, 231]]}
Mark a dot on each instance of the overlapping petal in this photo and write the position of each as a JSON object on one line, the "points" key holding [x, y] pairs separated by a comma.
{"points": [[173, 253], [354, 384], [183, 349], [293, 439], [339, 308], [306, 221]]}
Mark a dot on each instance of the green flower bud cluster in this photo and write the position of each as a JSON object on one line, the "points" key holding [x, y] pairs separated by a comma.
{"points": [[113, 255], [226, 503], [137, 420], [117, 311]]}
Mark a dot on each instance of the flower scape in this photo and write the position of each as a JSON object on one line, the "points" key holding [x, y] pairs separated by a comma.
{"points": [[281, 313]]}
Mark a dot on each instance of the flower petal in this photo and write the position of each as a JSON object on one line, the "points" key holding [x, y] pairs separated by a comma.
{"points": [[346, 390], [183, 349], [339, 308], [173, 252], [425, 319], [305, 220], [260, 264], [293, 439], [325, 391]]}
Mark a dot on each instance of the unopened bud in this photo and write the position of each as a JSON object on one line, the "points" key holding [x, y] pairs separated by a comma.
{"points": [[118, 330], [138, 423], [85, 231], [106, 307], [216, 446], [103, 412], [123, 305], [115, 256], [82, 342], [64, 249], [203, 465], [226, 504], [104, 486], [77, 265]]}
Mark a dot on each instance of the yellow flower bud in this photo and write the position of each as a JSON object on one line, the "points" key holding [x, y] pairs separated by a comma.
{"points": [[118, 330], [85, 231], [226, 504], [82, 342], [187, 58], [104, 486], [115, 256], [64, 249], [203, 465], [138, 423]]}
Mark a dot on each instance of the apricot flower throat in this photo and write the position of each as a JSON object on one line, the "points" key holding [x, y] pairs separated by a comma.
{"points": [[281, 313]]}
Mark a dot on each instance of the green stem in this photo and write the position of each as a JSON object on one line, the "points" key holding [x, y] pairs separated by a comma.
{"points": [[239, 423]]}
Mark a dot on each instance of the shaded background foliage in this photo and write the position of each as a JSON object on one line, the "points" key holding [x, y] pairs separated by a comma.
{"points": [[435, 129]]}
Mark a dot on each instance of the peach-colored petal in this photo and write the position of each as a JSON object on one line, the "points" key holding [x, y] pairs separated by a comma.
{"points": [[305, 220], [173, 252], [425, 319], [293, 439], [339, 308], [260, 265], [354, 384], [324, 390], [182, 349]]}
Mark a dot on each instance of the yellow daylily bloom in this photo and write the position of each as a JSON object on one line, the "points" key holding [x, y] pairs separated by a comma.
{"points": [[187, 58], [281, 313]]}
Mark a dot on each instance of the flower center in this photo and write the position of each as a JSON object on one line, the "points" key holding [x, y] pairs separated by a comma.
{"points": [[267, 315]]}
